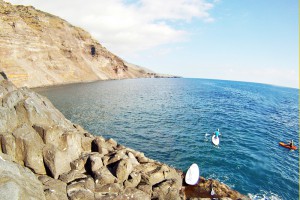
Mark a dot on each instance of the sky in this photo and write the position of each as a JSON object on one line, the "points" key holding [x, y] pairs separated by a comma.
{"points": [[242, 40]]}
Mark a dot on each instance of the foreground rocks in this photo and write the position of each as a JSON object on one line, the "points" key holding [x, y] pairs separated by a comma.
{"points": [[45, 156]]}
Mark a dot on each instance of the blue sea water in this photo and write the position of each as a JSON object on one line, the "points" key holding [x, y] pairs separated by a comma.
{"points": [[171, 120]]}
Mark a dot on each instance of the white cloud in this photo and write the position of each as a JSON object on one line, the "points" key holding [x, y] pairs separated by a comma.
{"points": [[126, 28]]}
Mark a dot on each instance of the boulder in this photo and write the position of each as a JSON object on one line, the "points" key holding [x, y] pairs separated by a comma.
{"points": [[145, 188], [152, 175], [133, 180], [53, 189], [133, 159], [81, 195], [8, 144], [79, 163], [104, 176], [99, 145], [77, 191], [111, 143], [166, 190], [86, 143], [29, 148], [116, 157], [109, 188], [71, 176], [123, 169], [136, 194], [56, 161], [17, 182], [95, 162]]}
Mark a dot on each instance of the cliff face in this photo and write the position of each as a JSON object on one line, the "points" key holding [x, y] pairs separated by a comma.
{"points": [[39, 49]]}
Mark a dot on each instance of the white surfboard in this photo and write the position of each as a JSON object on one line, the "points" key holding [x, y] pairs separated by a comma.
{"points": [[215, 140], [192, 175]]}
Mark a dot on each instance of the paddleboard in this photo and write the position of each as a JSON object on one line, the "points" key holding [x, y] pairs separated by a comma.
{"points": [[215, 140], [192, 175]]}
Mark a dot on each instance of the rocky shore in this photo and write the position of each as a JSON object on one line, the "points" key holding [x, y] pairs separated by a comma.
{"points": [[45, 156]]}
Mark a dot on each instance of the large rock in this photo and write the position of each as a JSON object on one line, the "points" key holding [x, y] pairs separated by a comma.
{"points": [[17, 182], [167, 190], [104, 176], [123, 169], [54, 189], [29, 148]]}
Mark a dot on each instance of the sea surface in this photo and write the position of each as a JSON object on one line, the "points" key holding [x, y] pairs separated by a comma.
{"points": [[172, 120]]}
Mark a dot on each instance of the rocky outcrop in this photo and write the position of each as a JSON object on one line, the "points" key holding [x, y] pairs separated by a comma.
{"points": [[40, 49], [17, 182], [71, 163]]}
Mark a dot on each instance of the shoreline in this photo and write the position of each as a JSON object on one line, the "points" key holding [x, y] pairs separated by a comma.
{"points": [[92, 81], [69, 162]]}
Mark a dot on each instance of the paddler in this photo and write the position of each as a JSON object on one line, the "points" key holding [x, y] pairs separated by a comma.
{"points": [[217, 133], [291, 143]]}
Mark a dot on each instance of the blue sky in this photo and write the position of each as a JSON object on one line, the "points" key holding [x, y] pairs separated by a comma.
{"points": [[244, 40]]}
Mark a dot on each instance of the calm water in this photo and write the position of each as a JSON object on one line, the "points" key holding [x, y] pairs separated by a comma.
{"points": [[171, 120]]}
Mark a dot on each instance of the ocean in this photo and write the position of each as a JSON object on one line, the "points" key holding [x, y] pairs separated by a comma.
{"points": [[172, 120]]}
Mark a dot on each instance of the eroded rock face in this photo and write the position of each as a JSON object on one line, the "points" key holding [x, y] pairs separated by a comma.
{"points": [[39, 49]]}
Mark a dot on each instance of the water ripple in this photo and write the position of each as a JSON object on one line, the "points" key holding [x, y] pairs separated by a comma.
{"points": [[171, 120]]}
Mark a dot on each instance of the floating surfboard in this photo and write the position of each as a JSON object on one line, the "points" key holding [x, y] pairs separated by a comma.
{"points": [[192, 175], [215, 140]]}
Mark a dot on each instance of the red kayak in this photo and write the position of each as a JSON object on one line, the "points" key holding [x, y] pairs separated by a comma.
{"points": [[287, 146]]}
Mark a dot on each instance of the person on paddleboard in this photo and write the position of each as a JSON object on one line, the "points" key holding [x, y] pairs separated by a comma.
{"points": [[217, 133], [291, 143]]}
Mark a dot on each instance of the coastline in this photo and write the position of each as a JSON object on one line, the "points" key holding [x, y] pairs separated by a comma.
{"points": [[67, 156], [42, 87]]}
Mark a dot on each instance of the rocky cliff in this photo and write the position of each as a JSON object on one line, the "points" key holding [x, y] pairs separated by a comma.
{"points": [[45, 156], [40, 49]]}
